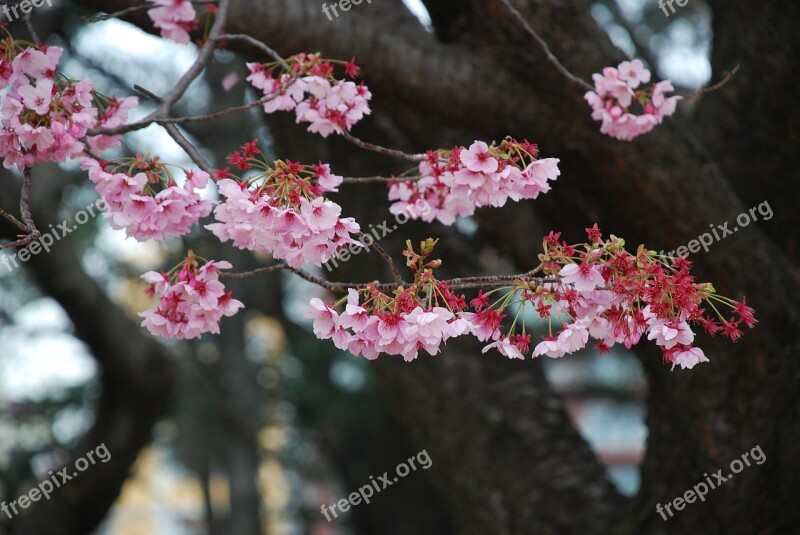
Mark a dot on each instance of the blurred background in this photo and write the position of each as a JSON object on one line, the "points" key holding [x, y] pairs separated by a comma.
{"points": [[265, 397]]}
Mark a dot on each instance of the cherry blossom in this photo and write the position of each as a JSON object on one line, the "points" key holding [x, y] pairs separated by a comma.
{"points": [[689, 358], [598, 290], [418, 318], [190, 300], [173, 18], [305, 83], [456, 182], [148, 204], [584, 277], [43, 117], [626, 112], [282, 210]]}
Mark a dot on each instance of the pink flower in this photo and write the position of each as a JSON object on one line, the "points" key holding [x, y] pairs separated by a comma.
{"points": [[326, 180], [172, 18], [44, 122], [38, 98], [355, 316], [550, 347], [689, 357], [115, 114], [430, 327], [573, 337], [505, 347], [272, 218], [319, 214], [477, 158], [326, 320], [36, 64], [669, 335], [330, 106], [634, 73], [583, 277]]}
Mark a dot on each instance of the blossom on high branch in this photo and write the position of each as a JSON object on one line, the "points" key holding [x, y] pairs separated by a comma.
{"points": [[307, 84], [625, 110]]}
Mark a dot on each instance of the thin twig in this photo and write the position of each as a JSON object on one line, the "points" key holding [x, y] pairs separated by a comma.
{"points": [[16, 222], [148, 94], [152, 119], [24, 201], [378, 179], [253, 42], [392, 266], [382, 150], [215, 115], [25, 212], [117, 14], [259, 271], [550, 56], [190, 149], [33, 236], [454, 284], [202, 59], [718, 85], [31, 29], [181, 85]]}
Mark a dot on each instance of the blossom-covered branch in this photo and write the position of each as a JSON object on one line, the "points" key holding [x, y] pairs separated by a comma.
{"points": [[286, 209]]}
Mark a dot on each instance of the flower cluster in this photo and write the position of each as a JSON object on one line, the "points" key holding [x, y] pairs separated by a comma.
{"points": [[191, 300], [419, 317], [456, 182], [281, 210], [598, 290], [45, 115], [616, 93], [306, 84], [175, 19], [143, 197]]}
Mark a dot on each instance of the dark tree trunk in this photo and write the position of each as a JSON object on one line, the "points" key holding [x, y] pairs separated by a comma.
{"points": [[136, 376]]}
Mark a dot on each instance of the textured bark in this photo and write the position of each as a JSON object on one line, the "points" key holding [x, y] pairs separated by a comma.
{"points": [[509, 460]]}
